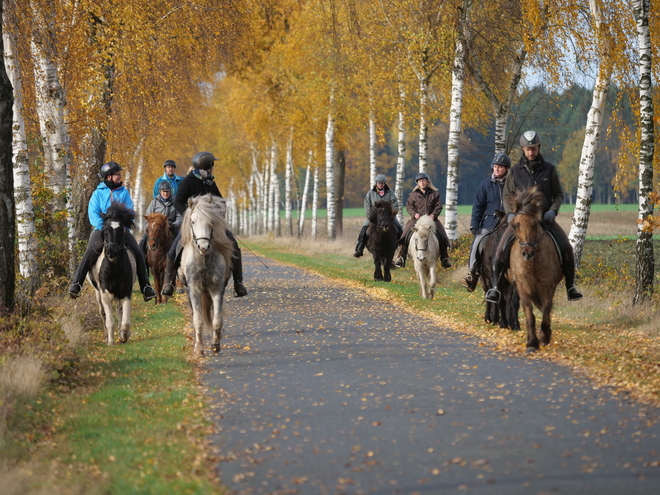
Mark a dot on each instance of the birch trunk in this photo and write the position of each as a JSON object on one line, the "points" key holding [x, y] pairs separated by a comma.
{"points": [[372, 151], [277, 226], [272, 212], [303, 200], [265, 196], [592, 133], [645, 261], [423, 126], [253, 189], [330, 177], [401, 156], [288, 180], [50, 102], [315, 204], [25, 229], [7, 210], [455, 120]]}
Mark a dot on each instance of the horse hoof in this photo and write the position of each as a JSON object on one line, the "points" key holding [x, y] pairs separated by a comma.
{"points": [[199, 353], [124, 338], [531, 350], [216, 348]]}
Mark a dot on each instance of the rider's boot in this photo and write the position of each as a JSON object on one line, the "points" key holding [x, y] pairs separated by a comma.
{"points": [[493, 295], [361, 242], [401, 259], [470, 282], [237, 273], [444, 254], [170, 277], [569, 277]]}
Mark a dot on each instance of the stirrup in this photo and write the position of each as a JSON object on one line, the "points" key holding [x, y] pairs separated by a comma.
{"points": [[573, 294], [74, 290], [470, 282], [357, 254], [148, 293], [400, 262], [493, 296], [167, 290], [240, 289], [445, 263]]}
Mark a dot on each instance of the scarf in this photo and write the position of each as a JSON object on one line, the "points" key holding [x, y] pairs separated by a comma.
{"points": [[111, 185], [204, 175]]}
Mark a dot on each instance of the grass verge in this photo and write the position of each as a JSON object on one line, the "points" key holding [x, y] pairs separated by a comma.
{"points": [[604, 336], [126, 419]]}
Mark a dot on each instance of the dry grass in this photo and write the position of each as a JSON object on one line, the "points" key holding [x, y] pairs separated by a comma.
{"points": [[21, 379]]}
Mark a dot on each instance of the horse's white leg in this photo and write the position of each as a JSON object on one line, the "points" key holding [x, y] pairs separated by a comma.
{"points": [[125, 319], [109, 322], [420, 276], [217, 322], [432, 280], [198, 321]]}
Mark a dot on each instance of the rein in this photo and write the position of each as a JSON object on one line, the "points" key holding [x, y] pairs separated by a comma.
{"points": [[531, 244]]}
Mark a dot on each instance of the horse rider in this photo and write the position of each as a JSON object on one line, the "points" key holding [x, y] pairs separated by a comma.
{"points": [[488, 198], [533, 170], [111, 189], [198, 182], [380, 192], [423, 200], [168, 176], [164, 204]]}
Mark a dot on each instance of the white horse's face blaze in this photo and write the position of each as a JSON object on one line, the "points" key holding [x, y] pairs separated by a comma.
{"points": [[202, 233]]}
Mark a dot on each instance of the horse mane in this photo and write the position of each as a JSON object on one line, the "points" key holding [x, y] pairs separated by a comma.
{"points": [[426, 224], [118, 211], [159, 220], [211, 209], [386, 205], [530, 202]]}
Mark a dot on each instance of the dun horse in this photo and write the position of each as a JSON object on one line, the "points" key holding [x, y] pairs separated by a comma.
{"points": [[424, 250], [534, 265], [205, 265], [159, 240], [382, 238], [114, 273]]}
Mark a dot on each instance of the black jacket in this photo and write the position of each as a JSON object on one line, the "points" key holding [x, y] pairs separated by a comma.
{"points": [[190, 187]]}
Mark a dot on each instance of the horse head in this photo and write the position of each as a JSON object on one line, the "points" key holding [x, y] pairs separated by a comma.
{"points": [[116, 220], [158, 230], [526, 222], [203, 214], [382, 215], [423, 230]]}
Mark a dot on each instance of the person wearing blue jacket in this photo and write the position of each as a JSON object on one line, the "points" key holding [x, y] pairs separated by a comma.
{"points": [[110, 190], [488, 198], [168, 176]]}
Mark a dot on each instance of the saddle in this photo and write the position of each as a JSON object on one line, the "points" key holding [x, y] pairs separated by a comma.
{"points": [[506, 252]]}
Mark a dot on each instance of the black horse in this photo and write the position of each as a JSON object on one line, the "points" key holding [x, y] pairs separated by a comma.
{"points": [[382, 238], [114, 272], [504, 313]]}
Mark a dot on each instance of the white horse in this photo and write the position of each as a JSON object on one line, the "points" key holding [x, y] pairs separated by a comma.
{"points": [[424, 250], [205, 265]]}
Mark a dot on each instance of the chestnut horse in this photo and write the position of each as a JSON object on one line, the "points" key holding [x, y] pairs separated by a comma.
{"points": [[159, 240], [534, 264]]}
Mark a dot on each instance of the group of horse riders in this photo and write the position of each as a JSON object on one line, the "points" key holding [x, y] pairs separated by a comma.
{"points": [[171, 194], [494, 193]]}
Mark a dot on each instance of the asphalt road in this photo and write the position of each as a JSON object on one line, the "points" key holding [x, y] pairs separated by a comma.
{"points": [[321, 389]]}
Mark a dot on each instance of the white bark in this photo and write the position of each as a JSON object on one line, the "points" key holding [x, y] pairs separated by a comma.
{"points": [[253, 192], [303, 200], [265, 195], [401, 156], [423, 126], [315, 203], [330, 177], [288, 181], [277, 224], [272, 200], [50, 102], [372, 151], [138, 193], [25, 228], [645, 262], [455, 120], [592, 134]]}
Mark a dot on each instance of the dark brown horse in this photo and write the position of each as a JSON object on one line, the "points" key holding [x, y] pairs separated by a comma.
{"points": [[504, 313], [534, 265], [382, 238], [159, 240]]}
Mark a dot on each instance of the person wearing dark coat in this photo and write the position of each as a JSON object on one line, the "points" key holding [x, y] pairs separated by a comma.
{"points": [[423, 200], [488, 199], [533, 170], [198, 182]]}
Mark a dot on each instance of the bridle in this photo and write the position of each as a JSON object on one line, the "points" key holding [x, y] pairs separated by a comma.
{"points": [[197, 239], [530, 244]]}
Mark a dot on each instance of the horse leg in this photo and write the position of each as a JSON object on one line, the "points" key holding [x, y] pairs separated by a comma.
{"points": [[546, 331], [378, 274], [532, 339], [419, 269], [109, 317], [387, 264], [124, 312], [217, 322], [513, 305], [198, 321], [432, 281]]}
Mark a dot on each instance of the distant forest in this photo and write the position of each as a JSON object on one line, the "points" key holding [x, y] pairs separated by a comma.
{"points": [[559, 118]]}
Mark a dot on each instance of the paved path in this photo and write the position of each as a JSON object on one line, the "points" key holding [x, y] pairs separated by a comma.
{"points": [[332, 391]]}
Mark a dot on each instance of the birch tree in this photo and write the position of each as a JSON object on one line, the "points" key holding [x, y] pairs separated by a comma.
{"points": [[644, 272], [330, 177], [401, 153], [25, 229], [288, 181], [315, 204], [302, 206]]}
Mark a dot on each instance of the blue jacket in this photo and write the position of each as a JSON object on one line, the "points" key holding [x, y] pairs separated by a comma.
{"points": [[174, 181], [100, 201], [488, 198]]}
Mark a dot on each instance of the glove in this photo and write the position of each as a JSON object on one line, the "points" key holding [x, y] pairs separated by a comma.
{"points": [[549, 216], [509, 217], [474, 230]]}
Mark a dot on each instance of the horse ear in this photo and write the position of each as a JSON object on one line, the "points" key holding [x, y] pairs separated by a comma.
{"points": [[190, 202]]}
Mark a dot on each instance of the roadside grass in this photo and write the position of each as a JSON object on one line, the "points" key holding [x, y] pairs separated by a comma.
{"points": [[126, 419], [603, 336]]}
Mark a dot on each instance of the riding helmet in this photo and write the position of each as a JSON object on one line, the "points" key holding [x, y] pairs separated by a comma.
{"points": [[109, 168], [421, 175], [171, 163], [380, 178], [164, 186], [501, 159], [530, 139], [203, 160]]}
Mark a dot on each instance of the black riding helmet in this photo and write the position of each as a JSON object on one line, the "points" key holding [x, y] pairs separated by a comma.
{"points": [[165, 186], [109, 168], [529, 139], [169, 163], [203, 160], [421, 175], [501, 159]]}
